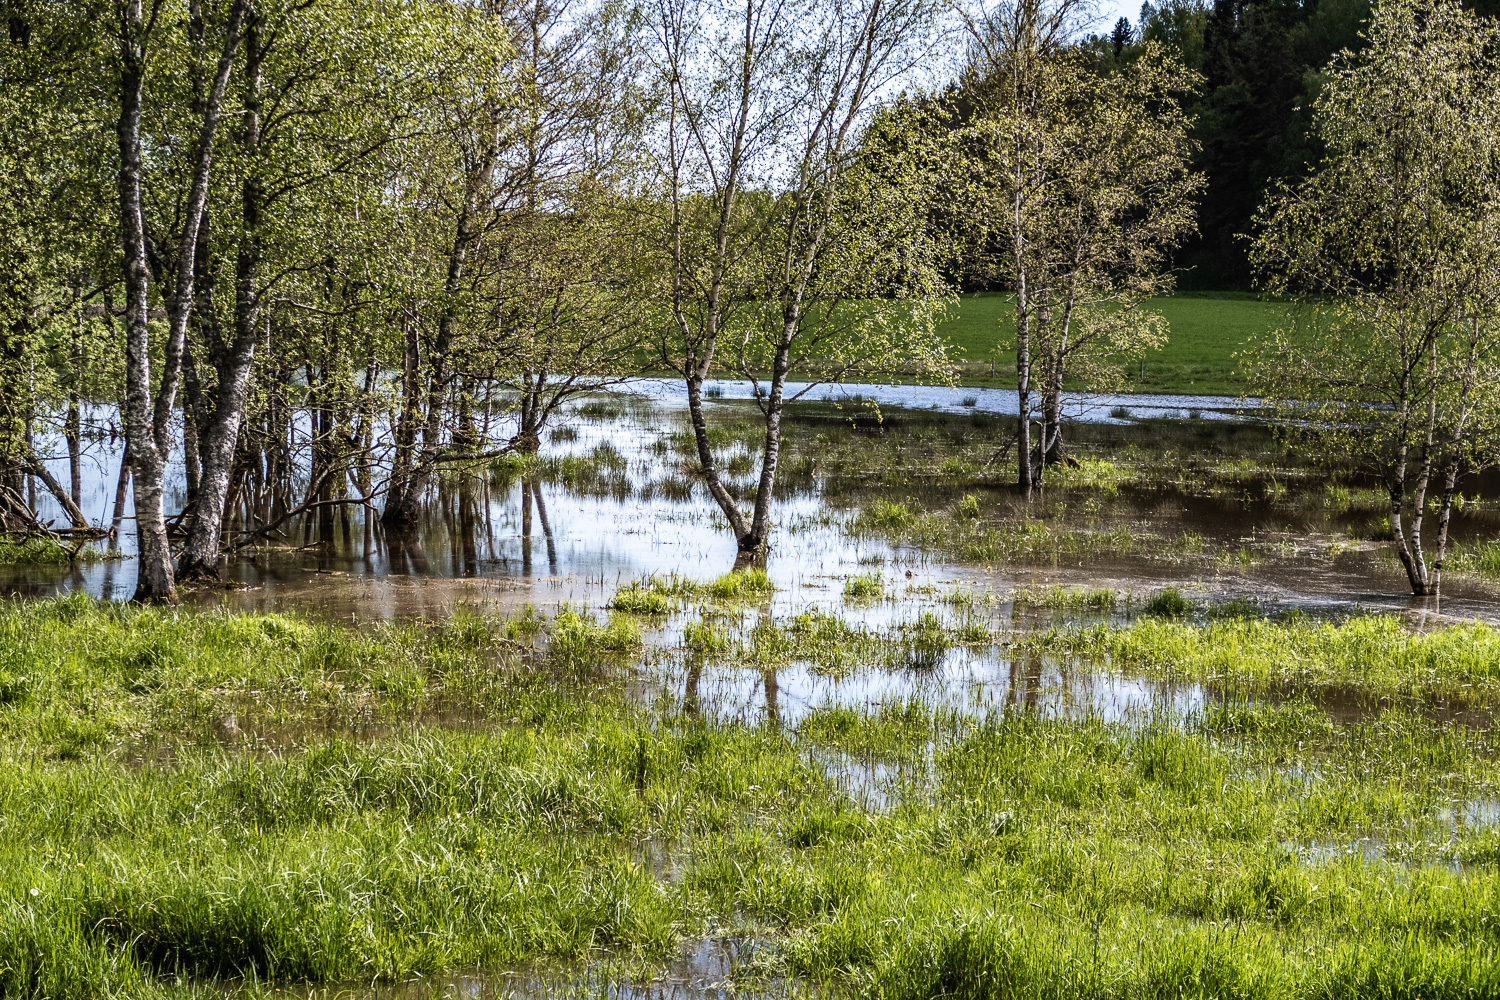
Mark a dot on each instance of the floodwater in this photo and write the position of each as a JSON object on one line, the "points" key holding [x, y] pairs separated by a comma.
{"points": [[706, 969], [1079, 407], [497, 543]]}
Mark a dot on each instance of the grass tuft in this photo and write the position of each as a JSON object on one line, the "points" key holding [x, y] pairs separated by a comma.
{"points": [[1168, 603], [865, 587], [741, 585]]}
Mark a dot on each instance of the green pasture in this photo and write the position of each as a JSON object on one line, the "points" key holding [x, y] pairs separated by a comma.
{"points": [[1207, 331]]}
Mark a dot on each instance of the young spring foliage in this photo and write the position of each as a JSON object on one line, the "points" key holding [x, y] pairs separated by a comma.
{"points": [[1078, 184], [1392, 249], [788, 240]]}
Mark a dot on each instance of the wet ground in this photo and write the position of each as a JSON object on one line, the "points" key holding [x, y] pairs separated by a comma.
{"points": [[627, 509], [500, 542], [707, 969]]}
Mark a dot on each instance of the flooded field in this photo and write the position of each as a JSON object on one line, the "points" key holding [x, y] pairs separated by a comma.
{"points": [[1170, 499], [1172, 729]]}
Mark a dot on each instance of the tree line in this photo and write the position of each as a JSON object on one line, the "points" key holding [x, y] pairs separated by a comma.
{"points": [[328, 248]]}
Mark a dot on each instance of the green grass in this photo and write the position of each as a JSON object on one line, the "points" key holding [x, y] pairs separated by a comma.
{"points": [[1215, 856], [659, 595], [971, 540], [1479, 558], [1206, 330], [864, 587], [1168, 603], [1062, 598], [601, 472], [29, 551], [1366, 658]]}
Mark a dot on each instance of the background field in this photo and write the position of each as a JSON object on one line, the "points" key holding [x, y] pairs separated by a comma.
{"points": [[1207, 330]]}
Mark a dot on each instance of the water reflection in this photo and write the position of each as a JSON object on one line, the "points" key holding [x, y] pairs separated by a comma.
{"points": [[499, 543], [704, 970], [971, 683]]}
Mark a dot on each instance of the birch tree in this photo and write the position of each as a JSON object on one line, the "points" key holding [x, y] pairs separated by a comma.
{"points": [[1121, 198], [142, 30], [1080, 178], [311, 124], [1391, 250], [774, 258]]}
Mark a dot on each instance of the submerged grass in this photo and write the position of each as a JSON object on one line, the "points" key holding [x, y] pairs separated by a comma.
{"points": [[1013, 855], [28, 551], [1480, 558], [971, 540], [658, 595], [1066, 598], [1369, 656]]}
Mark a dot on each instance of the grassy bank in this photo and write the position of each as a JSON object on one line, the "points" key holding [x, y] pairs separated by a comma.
{"points": [[1370, 659], [1207, 329], [190, 795]]}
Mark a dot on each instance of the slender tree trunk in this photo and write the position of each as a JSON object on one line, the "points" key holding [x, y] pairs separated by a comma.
{"points": [[1445, 513], [708, 465], [122, 485], [1025, 477], [200, 552], [154, 581], [1053, 450], [191, 461], [38, 471], [751, 546], [15, 399], [1415, 559], [73, 429], [402, 498]]}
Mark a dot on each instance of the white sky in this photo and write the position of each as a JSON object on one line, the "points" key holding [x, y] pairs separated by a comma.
{"points": [[1111, 11]]}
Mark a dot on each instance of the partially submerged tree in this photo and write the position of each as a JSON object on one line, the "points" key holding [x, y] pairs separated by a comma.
{"points": [[516, 271], [52, 222], [1079, 182], [143, 30], [1392, 251], [784, 251], [310, 122], [1121, 198]]}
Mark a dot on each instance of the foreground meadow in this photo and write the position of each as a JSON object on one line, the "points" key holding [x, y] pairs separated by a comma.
{"points": [[200, 802]]}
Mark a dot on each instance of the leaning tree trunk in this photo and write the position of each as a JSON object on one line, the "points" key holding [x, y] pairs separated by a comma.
{"points": [[694, 376], [751, 546], [217, 444], [1025, 474]]}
